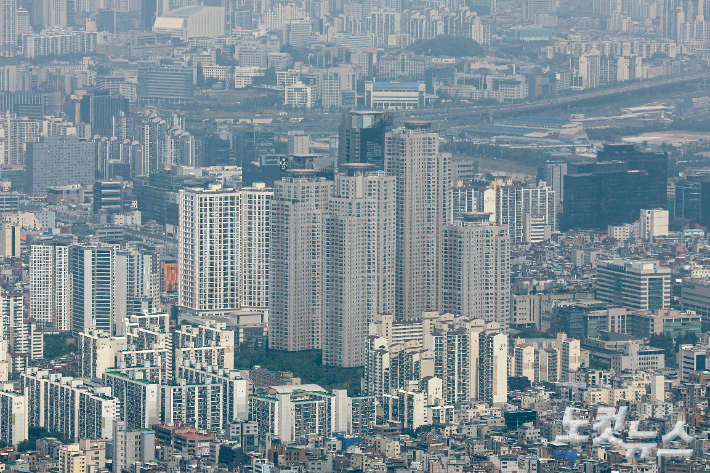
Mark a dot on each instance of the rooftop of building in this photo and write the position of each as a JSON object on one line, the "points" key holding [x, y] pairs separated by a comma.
{"points": [[395, 85], [184, 12]]}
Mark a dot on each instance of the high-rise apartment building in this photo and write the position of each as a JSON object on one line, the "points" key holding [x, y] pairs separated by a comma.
{"points": [[10, 241], [639, 285], [150, 134], [224, 244], [131, 446], [197, 404], [55, 13], [137, 280], [547, 361], [65, 405], [384, 24], [19, 131], [93, 275], [50, 285], [524, 365], [493, 368], [235, 389], [469, 356], [653, 223], [296, 269], [137, 400], [529, 212], [423, 183], [8, 28], [476, 269], [97, 352], [359, 261], [24, 341], [209, 250], [255, 226], [13, 422], [362, 137], [570, 356], [218, 353], [509, 209]]}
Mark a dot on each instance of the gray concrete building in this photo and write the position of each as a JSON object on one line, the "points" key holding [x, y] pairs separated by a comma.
{"points": [[59, 161]]}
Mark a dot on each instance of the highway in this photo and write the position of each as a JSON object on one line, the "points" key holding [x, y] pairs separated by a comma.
{"points": [[541, 104], [327, 121]]}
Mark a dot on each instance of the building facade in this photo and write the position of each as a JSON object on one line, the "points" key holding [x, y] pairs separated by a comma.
{"points": [[359, 261], [423, 181], [298, 212]]}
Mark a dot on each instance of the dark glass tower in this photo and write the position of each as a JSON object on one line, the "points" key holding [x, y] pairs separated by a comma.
{"points": [[362, 137]]}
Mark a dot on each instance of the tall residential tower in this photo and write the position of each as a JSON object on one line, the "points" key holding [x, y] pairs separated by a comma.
{"points": [[298, 212], [359, 261], [423, 183]]}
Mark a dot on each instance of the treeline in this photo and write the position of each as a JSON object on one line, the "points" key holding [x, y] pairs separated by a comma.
{"points": [[447, 46], [304, 364], [520, 155], [670, 346]]}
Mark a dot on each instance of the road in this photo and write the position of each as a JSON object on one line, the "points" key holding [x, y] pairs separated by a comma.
{"points": [[327, 120], [542, 104]]}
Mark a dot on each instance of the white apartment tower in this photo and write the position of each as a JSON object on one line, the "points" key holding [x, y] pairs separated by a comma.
{"points": [[653, 223], [423, 183], [137, 281], [209, 250], [529, 212], [23, 340], [8, 28], [255, 231], [359, 261], [493, 368], [524, 362], [298, 212], [13, 422], [50, 286], [93, 275], [476, 269]]}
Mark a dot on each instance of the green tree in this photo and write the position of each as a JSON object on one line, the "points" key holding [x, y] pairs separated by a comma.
{"points": [[34, 434], [56, 345], [596, 363], [307, 365], [532, 333], [447, 46], [665, 343]]}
